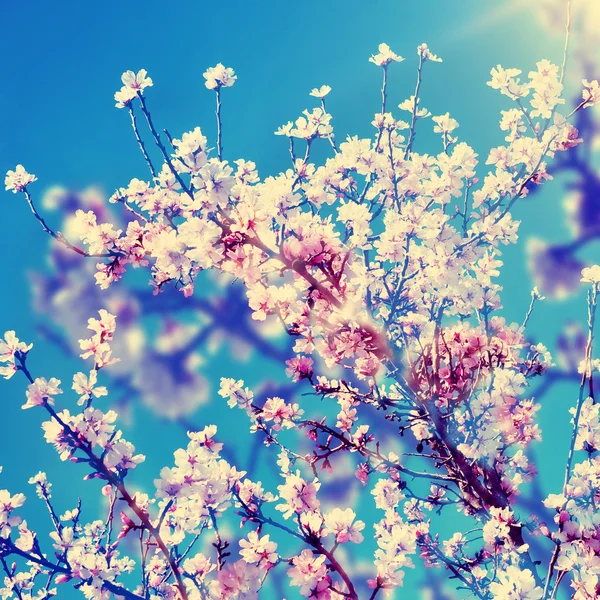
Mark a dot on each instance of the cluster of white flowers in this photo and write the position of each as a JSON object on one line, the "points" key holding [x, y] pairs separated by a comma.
{"points": [[133, 85], [219, 76], [18, 180], [11, 350]]}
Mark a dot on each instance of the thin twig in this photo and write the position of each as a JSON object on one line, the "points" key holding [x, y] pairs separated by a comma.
{"points": [[567, 38], [219, 125], [140, 142]]}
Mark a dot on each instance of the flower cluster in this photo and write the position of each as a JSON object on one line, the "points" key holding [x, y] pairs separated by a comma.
{"points": [[11, 350], [133, 84], [219, 76], [18, 180]]}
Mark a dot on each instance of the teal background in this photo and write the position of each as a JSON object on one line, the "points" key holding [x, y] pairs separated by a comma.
{"points": [[61, 63]]}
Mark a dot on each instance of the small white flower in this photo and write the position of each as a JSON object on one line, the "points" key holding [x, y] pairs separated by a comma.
{"points": [[133, 84], [18, 180], [320, 92], [590, 93], [536, 294], [444, 123], [219, 76], [591, 274], [424, 51], [385, 56], [86, 386]]}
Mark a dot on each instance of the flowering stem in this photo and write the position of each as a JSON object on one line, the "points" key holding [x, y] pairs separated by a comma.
{"points": [[297, 266], [59, 237], [587, 371], [258, 515], [453, 568], [364, 451], [98, 465], [6, 546], [513, 200], [10, 577], [534, 297]]}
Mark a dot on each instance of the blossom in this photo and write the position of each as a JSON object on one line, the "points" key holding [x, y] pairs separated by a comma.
{"points": [[10, 349], [536, 294], [547, 89], [342, 524], [85, 386], [26, 538], [298, 495], [41, 391], [496, 531], [444, 123], [205, 438], [588, 426], [219, 76], [280, 413], [285, 130], [238, 581], [199, 566], [396, 542], [309, 573], [555, 501], [387, 494], [98, 346], [426, 54], [8, 504], [591, 274], [133, 85], [591, 92], [192, 143], [18, 180], [320, 92], [314, 124], [385, 56], [411, 105], [455, 545], [41, 480], [235, 392], [299, 367], [136, 81], [259, 550], [515, 584], [505, 81]]}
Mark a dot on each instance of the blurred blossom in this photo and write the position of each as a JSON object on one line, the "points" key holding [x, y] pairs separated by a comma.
{"points": [[162, 369], [570, 347], [554, 270]]}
